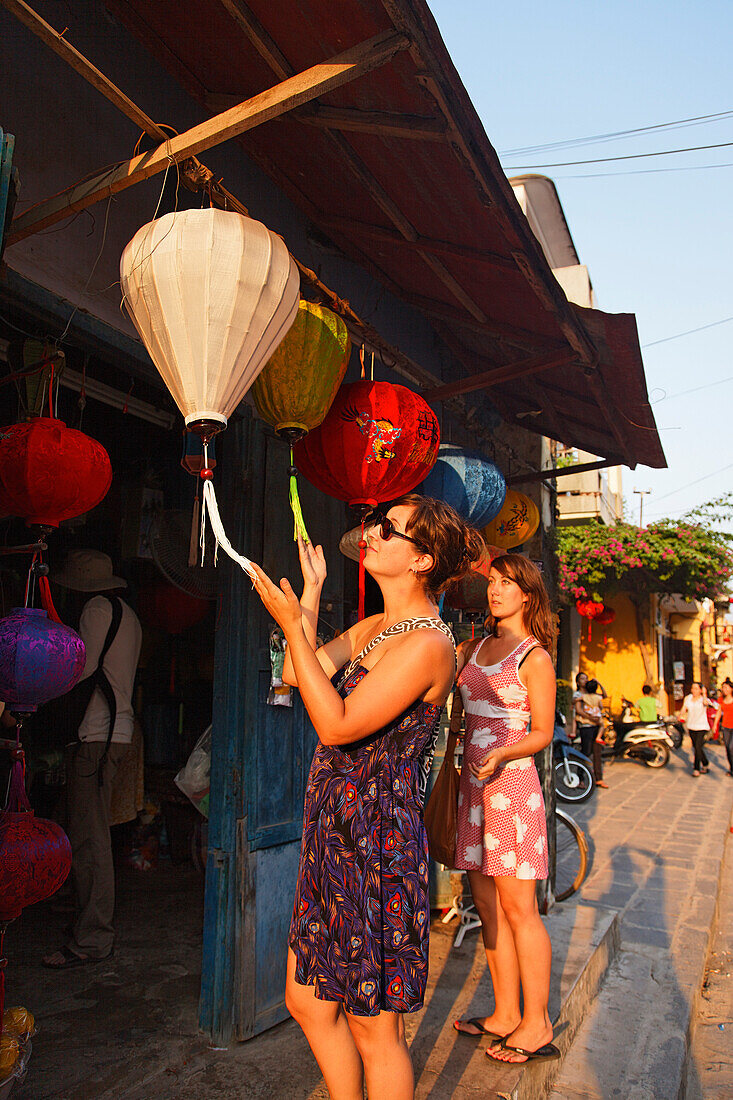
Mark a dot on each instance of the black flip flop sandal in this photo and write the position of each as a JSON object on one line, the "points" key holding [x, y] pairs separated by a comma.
{"points": [[475, 1022], [545, 1053]]}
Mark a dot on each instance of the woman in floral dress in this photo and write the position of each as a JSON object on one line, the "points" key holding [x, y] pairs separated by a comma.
{"points": [[505, 681], [358, 943]]}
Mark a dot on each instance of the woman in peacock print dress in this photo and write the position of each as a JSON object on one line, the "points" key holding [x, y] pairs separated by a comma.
{"points": [[358, 943]]}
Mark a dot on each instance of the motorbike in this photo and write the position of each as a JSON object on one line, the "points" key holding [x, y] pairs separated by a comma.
{"points": [[672, 725], [629, 739], [573, 772]]}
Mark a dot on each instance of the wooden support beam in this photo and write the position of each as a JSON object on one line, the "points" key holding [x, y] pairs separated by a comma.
{"points": [[381, 123], [386, 124], [498, 375], [489, 327], [424, 244], [253, 112], [562, 471], [265, 45]]}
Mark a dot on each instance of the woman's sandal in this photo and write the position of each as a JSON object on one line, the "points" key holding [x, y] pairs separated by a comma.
{"points": [[475, 1022], [543, 1053]]}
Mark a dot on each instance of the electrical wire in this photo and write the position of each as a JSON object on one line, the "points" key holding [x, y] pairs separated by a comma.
{"points": [[644, 171], [696, 389], [91, 273], [689, 332], [615, 135], [628, 156], [695, 482]]}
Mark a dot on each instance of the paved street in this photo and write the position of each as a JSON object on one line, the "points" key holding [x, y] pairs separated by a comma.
{"points": [[127, 1030], [657, 842]]}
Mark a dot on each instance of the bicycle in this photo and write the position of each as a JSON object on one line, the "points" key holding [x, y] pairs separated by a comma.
{"points": [[571, 867], [571, 856]]}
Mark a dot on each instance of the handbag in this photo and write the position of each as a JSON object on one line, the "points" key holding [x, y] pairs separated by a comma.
{"points": [[441, 811]]}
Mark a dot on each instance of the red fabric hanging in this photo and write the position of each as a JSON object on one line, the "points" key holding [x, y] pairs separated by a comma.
{"points": [[44, 589], [362, 573]]}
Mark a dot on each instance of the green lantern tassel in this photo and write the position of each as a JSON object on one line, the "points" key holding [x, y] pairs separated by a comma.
{"points": [[299, 529]]}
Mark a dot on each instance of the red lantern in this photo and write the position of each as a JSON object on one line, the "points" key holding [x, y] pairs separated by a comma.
{"points": [[377, 442], [168, 608], [606, 616], [49, 473], [590, 610], [35, 858]]}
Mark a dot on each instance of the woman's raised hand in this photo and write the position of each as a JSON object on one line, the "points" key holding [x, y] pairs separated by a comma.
{"points": [[312, 564], [281, 602]]}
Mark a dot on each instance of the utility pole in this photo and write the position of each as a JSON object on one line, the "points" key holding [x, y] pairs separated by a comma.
{"points": [[641, 494]]}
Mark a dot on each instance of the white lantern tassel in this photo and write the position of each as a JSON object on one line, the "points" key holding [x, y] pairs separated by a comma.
{"points": [[210, 505]]}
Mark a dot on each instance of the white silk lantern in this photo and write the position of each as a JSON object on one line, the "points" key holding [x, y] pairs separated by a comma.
{"points": [[212, 294]]}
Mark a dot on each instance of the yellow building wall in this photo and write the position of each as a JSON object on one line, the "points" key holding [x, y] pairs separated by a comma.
{"points": [[618, 663]]}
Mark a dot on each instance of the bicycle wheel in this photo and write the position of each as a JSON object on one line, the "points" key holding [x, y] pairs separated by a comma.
{"points": [[578, 785], [572, 856]]}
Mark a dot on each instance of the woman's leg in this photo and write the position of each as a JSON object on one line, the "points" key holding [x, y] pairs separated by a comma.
{"points": [[500, 955], [380, 1041], [696, 737], [728, 742], [703, 754], [327, 1031], [597, 760], [534, 955], [587, 737]]}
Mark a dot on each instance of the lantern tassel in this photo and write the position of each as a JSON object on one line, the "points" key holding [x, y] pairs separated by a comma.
{"points": [[44, 589], [362, 574], [299, 529], [193, 544], [211, 507]]}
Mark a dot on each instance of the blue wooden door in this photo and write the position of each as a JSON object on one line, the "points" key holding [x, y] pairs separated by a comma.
{"points": [[260, 754]]}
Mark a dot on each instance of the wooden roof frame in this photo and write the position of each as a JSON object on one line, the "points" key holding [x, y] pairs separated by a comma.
{"points": [[458, 124]]}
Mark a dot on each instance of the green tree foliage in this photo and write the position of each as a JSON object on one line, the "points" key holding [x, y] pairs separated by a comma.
{"points": [[684, 556]]}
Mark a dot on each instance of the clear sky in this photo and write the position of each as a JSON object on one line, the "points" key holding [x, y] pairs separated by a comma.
{"points": [[657, 243]]}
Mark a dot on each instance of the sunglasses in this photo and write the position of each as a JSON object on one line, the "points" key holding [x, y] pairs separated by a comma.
{"points": [[387, 529]]}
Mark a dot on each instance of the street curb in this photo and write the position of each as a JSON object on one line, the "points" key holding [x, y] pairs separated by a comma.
{"points": [[536, 1080], [695, 999]]}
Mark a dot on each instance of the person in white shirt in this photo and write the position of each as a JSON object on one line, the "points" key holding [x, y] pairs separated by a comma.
{"points": [[694, 713], [110, 630]]}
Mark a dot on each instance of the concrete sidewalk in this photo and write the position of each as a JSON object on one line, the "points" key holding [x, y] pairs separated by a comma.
{"points": [[127, 1030], [658, 841]]}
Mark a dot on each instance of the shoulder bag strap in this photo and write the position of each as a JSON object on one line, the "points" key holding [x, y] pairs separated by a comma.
{"points": [[101, 680]]}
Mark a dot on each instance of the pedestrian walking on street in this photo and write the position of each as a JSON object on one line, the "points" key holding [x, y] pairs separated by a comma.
{"points": [[694, 714], [724, 721], [506, 680], [358, 943]]}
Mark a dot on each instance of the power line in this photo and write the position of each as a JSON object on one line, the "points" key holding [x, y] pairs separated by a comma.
{"points": [[696, 481], [613, 135], [689, 332], [644, 171], [696, 389], [629, 156]]}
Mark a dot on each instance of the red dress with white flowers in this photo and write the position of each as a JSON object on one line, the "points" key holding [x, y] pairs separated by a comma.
{"points": [[501, 821]]}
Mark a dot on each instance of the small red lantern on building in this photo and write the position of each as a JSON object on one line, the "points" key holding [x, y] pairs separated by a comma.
{"points": [[49, 473], [590, 610]]}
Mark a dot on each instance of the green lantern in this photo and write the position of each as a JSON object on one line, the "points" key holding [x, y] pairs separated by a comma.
{"points": [[296, 388]]}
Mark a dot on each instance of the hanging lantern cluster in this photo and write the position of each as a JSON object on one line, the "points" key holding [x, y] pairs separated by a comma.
{"points": [[592, 610], [298, 384], [212, 294], [515, 523], [468, 482], [377, 443]]}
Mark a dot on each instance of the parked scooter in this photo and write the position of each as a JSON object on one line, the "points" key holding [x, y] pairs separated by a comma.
{"points": [[631, 739], [672, 725], [574, 780]]}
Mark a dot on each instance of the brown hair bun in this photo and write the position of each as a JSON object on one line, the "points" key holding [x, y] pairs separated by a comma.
{"points": [[451, 542]]}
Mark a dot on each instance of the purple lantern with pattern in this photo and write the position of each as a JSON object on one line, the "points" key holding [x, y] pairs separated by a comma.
{"points": [[39, 659]]}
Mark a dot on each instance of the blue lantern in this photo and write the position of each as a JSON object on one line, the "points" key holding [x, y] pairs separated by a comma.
{"points": [[39, 659], [468, 482]]}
